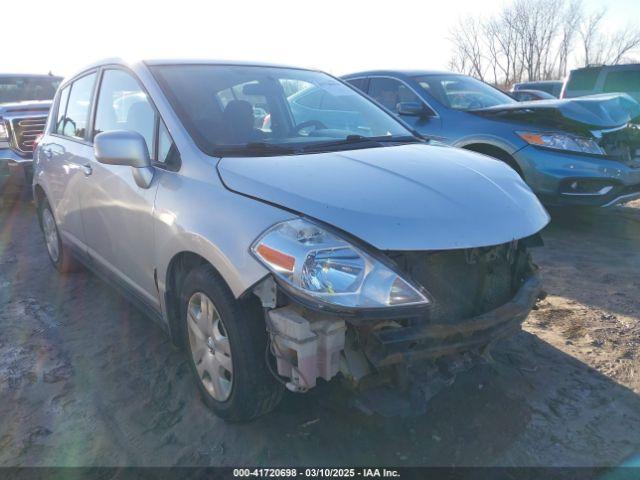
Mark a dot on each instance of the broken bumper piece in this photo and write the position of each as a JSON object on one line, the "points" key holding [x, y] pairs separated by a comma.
{"points": [[406, 344]]}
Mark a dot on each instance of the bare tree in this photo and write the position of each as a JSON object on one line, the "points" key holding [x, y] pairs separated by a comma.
{"points": [[535, 40], [468, 48], [573, 18], [591, 42], [621, 44]]}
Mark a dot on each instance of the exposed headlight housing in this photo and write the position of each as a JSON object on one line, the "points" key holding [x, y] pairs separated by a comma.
{"points": [[4, 133], [562, 141], [319, 266]]}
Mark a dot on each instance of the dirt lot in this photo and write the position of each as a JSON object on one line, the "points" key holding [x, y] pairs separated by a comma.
{"points": [[87, 380]]}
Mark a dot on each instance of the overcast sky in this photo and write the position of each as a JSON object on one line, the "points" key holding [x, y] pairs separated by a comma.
{"points": [[338, 36]]}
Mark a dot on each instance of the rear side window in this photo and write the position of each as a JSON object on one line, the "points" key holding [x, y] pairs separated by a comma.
{"points": [[62, 110], [583, 79], [623, 81], [75, 121], [123, 105]]}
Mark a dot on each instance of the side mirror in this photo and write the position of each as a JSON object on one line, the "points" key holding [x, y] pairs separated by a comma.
{"points": [[413, 109], [125, 148]]}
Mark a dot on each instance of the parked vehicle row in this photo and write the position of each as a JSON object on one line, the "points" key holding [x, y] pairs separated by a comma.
{"points": [[285, 226]]}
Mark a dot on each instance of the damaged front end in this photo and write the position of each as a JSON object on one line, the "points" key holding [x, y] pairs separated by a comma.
{"points": [[475, 296]]}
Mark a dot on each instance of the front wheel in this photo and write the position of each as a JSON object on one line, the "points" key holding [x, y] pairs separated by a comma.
{"points": [[226, 340]]}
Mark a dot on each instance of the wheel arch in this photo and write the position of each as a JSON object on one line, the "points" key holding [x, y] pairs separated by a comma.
{"points": [[495, 152], [39, 194], [179, 265], [177, 269]]}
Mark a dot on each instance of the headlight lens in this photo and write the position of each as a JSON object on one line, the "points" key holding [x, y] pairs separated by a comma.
{"points": [[562, 141], [4, 134], [321, 266]]}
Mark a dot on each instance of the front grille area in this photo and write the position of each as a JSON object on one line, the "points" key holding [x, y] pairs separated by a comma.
{"points": [[25, 131], [466, 283]]}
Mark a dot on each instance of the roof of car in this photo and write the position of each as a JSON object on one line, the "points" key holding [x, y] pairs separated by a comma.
{"points": [[404, 73], [130, 62], [182, 61], [623, 66], [209, 61]]}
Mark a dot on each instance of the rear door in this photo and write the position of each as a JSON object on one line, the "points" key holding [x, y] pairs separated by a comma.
{"points": [[116, 212], [66, 154]]}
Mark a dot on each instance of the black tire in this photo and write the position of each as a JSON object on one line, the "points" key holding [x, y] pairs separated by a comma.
{"points": [[65, 262], [254, 390]]}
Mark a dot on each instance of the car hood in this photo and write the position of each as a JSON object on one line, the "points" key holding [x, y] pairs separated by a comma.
{"points": [[35, 106], [410, 197], [595, 111]]}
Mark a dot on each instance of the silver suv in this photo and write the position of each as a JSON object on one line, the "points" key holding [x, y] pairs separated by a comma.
{"points": [[281, 244]]}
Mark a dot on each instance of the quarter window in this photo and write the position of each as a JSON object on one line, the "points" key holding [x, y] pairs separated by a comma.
{"points": [[123, 105], [62, 110], [167, 151], [75, 121], [390, 93]]}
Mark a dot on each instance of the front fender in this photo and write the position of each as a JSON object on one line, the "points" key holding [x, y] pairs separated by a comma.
{"points": [[218, 225]]}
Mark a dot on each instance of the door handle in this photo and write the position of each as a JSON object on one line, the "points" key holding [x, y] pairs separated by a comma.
{"points": [[86, 168]]}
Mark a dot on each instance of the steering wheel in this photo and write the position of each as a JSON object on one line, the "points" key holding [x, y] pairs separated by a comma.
{"points": [[309, 123]]}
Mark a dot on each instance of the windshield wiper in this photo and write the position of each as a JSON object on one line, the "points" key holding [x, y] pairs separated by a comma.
{"points": [[361, 140], [401, 139], [260, 148]]}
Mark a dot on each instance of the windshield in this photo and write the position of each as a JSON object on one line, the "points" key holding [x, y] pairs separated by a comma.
{"points": [[25, 88], [233, 109], [461, 92]]}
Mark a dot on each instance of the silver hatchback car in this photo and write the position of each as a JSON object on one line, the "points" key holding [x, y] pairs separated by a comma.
{"points": [[281, 245]]}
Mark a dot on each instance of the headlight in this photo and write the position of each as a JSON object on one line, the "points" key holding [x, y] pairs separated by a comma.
{"points": [[4, 134], [562, 141], [320, 266]]}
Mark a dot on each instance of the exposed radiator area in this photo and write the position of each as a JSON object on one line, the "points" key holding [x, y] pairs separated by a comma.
{"points": [[466, 283]]}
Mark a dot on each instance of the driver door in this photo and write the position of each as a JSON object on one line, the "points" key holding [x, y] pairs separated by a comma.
{"points": [[116, 212]]}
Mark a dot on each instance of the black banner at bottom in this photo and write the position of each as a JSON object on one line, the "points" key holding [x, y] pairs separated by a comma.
{"points": [[403, 473]]}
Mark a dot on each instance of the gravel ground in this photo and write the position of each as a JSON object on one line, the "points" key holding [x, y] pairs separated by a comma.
{"points": [[85, 379]]}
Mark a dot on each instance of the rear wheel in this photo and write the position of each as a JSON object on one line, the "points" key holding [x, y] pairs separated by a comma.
{"points": [[226, 340], [59, 253]]}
